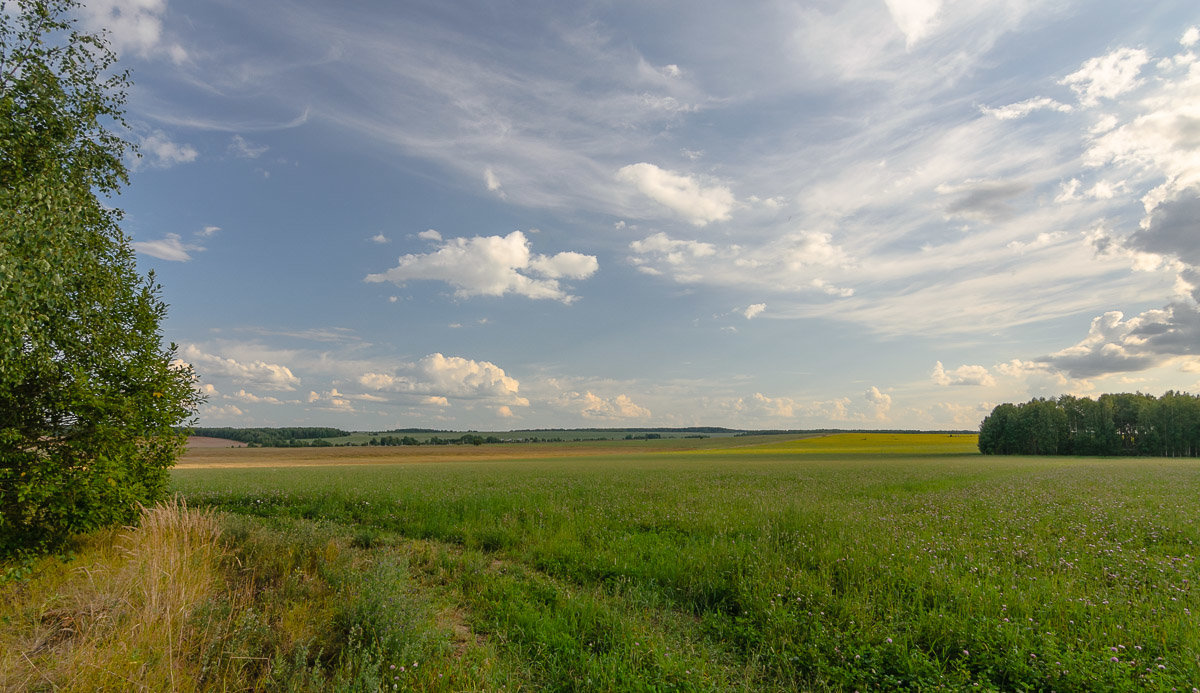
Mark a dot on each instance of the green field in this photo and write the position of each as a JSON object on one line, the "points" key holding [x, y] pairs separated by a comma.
{"points": [[849, 561], [852, 561]]}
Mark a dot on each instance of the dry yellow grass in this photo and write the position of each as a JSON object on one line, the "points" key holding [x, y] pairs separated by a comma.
{"points": [[116, 618]]}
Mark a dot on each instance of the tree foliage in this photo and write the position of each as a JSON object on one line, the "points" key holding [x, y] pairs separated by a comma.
{"points": [[286, 437], [1113, 424], [89, 395]]}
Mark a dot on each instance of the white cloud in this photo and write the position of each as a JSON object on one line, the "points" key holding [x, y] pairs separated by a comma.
{"points": [[1023, 108], [1108, 76], [1190, 37], [245, 149], [272, 376], [171, 247], [437, 375], [493, 266], [244, 396], [754, 310], [160, 152], [790, 263], [229, 412], [914, 18], [380, 238], [592, 406], [568, 264], [1115, 345], [682, 194], [331, 399], [879, 404], [133, 26], [504, 412], [1158, 140], [963, 375], [781, 407], [436, 400], [429, 235], [673, 252], [492, 181], [208, 231]]}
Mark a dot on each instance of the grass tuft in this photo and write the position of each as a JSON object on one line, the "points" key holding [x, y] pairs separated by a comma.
{"points": [[116, 616]]}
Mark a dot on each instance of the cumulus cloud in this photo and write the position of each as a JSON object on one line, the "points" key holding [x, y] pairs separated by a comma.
{"points": [[380, 239], [271, 376], [682, 194], [1160, 141], [879, 404], [1021, 109], [429, 235], [1172, 229], [754, 310], [170, 247], [159, 151], [592, 406], [440, 376], [133, 26], [779, 407], [493, 266], [252, 398], [330, 400], [963, 375], [1108, 76], [228, 412], [1116, 345]]}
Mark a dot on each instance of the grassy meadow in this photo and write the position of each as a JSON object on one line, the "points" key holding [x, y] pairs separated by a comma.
{"points": [[851, 561]]}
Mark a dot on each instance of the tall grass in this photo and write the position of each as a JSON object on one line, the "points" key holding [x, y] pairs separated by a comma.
{"points": [[840, 566], [118, 617], [774, 569]]}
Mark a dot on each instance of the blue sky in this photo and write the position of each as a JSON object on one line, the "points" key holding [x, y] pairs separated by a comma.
{"points": [[498, 215]]}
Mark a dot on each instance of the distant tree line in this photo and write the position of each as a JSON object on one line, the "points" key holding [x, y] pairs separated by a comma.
{"points": [[290, 437], [465, 439], [1111, 425]]}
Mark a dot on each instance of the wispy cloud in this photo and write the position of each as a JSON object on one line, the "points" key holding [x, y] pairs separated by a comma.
{"points": [[169, 247], [243, 148]]}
